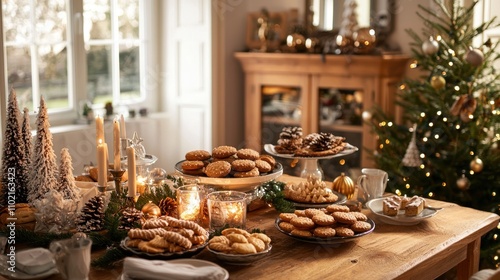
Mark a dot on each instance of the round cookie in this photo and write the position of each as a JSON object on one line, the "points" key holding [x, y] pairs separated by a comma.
{"points": [[302, 223], [323, 220], [344, 232], [223, 151], [300, 212], [343, 217], [198, 155], [252, 173], [218, 169], [311, 212], [192, 164], [248, 154], [287, 217], [337, 208], [301, 233], [286, 226], [324, 232], [269, 159], [243, 165], [361, 226], [196, 172], [263, 166], [229, 159], [359, 216]]}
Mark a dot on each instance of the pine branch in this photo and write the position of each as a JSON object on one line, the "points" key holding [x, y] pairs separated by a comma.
{"points": [[109, 258]]}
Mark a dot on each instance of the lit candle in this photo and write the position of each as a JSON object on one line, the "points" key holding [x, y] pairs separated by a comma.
{"points": [[122, 127], [189, 202], [102, 168], [141, 184], [99, 128], [132, 184], [117, 165]]}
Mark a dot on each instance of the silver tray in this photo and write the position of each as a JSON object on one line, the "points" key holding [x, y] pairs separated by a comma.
{"points": [[336, 240]]}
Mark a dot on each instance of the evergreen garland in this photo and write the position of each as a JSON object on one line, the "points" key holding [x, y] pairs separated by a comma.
{"points": [[272, 192]]}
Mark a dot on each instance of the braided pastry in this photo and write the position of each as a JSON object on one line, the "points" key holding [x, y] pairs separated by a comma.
{"points": [[155, 223], [145, 234], [160, 242], [146, 247], [178, 239]]}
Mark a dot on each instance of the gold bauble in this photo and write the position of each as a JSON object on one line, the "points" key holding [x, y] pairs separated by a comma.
{"points": [[344, 185], [438, 82], [476, 165], [151, 210], [463, 183], [364, 40]]}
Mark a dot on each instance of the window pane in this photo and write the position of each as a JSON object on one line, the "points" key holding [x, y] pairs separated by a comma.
{"points": [[128, 19], [99, 85], [53, 61], [97, 19], [129, 73], [19, 75], [51, 20], [16, 20]]}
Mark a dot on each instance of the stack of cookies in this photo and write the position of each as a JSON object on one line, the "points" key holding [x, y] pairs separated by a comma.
{"points": [[312, 191], [319, 144], [333, 221], [227, 161]]}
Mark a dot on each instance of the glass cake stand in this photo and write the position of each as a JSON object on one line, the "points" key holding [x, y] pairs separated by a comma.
{"points": [[311, 168]]}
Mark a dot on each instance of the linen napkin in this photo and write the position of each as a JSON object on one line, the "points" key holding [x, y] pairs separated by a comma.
{"points": [[136, 268]]}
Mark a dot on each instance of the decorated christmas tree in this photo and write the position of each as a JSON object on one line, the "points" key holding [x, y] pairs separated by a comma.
{"points": [[66, 184], [44, 166], [14, 168], [451, 113]]}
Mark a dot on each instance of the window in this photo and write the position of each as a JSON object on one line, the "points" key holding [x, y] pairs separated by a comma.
{"points": [[73, 52]]}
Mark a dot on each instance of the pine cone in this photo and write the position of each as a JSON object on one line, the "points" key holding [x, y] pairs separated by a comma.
{"points": [[92, 217], [320, 141], [168, 206], [130, 217], [290, 138]]}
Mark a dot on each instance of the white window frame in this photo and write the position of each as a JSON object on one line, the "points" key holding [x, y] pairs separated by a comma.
{"points": [[78, 86]]}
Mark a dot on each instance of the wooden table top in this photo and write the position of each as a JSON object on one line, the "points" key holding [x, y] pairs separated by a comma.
{"points": [[422, 251]]}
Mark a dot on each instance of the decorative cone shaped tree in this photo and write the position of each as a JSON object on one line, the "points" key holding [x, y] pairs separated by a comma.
{"points": [[455, 107]]}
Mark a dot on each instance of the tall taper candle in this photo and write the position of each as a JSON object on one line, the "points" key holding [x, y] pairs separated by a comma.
{"points": [[122, 127], [132, 185], [99, 128], [102, 168], [117, 165]]}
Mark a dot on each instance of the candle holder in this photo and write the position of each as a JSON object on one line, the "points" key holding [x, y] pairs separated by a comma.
{"points": [[189, 202], [131, 201], [117, 177], [101, 189], [227, 208]]}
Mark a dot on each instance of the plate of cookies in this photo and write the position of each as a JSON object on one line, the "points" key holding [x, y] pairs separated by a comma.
{"points": [[166, 237], [230, 168], [333, 225], [313, 193], [344, 150], [401, 210], [240, 247]]}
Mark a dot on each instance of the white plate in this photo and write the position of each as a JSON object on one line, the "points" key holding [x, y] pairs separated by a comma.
{"points": [[195, 263], [18, 275], [376, 206], [349, 149], [231, 183]]}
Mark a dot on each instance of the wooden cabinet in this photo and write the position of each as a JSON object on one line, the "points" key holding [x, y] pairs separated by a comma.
{"points": [[306, 79]]}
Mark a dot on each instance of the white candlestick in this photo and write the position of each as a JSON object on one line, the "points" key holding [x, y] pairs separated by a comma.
{"points": [[99, 128], [132, 187], [117, 165], [102, 168], [122, 127]]}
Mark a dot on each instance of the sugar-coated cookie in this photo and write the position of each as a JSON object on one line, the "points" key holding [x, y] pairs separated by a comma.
{"points": [[337, 208], [248, 154], [344, 217], [286, 226], [324, 232], [302, 223], [218, 169], [243, 165], [269, 159], [323, 220], [223, 151], [286, 217], [192, 164], [263, 166], [198, 155], [361, 226], [301, 233], [344, 232], [252, 173]]}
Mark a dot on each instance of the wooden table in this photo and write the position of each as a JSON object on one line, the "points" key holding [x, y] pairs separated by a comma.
{"points": [[424, 251]]}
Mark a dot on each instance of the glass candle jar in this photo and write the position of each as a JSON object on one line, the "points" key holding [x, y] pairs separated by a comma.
{"points": [[189, 201], [227, 208]]}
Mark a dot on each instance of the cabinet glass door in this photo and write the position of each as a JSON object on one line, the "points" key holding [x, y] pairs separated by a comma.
{"points": [[281, 107], [339, 112]]}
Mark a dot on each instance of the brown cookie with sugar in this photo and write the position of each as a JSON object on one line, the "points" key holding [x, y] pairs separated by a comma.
{"points": [[218, 169], [243, 165], [223, 151], [198, 155], [263, 166], [248, 154]]}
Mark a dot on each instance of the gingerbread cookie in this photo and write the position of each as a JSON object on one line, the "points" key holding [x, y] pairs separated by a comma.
{"points": [[361, 226], [192, 164], [223, 151], [218, 169], [360, 216], [263, 166], [269, 159], [310, 212], [286, 226], [324, 232], [344, 232], [323, 220], [252, 173], [302, 223], [337, 208], [250, 154], [286, 217], [301, 233], [344, 217], [198, 155], [243, 165]]}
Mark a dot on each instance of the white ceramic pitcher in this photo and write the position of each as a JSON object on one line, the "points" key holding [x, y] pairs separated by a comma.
{"points": [[373, 182]]}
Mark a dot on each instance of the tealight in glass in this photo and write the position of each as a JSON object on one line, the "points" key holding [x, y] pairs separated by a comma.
{"points": [[189, 201], [227, 208]]}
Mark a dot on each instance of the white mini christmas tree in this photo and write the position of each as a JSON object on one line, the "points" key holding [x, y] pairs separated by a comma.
{"points": [[44, 166], [66, 183], [27, 138], [349, 23]]}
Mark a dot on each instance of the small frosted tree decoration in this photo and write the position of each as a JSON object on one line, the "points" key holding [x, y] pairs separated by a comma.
{"points": [[66, 183], [44, 166], [27, 138], [14, 167], [349, 23]]}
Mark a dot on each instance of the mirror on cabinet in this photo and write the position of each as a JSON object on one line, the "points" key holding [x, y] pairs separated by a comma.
{"points": [[326, 15]]}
